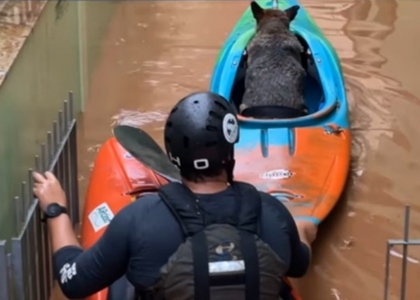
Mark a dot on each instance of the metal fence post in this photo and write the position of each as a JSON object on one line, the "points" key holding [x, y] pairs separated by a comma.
{"points": [[405, 242], [4, 272]]}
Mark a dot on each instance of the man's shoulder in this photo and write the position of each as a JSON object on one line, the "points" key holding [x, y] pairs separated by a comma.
{"points": [[149, 200], [143, 204], [272, 205], [270, 200]]}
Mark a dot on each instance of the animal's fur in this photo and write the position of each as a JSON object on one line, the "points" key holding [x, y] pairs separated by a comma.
{"points": [[275, 74]]}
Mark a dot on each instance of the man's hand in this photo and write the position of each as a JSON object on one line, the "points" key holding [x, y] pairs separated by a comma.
{"points": [[48, 190], [307, 231]]}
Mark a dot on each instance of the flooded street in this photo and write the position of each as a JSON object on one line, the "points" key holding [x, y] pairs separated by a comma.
{"points": [[157, 52]]}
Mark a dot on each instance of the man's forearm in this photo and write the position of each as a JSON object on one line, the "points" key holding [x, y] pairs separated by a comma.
{"points": [[61, 232], [304, 239]]}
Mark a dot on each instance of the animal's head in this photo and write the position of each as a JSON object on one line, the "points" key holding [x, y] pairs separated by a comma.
{"points": [[284, 17]]}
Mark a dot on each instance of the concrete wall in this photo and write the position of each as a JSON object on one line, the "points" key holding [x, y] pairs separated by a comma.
{"points": [[58, 55]]}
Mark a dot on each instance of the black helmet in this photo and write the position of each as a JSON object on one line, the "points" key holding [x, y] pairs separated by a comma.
{"points": [[200, 133]]}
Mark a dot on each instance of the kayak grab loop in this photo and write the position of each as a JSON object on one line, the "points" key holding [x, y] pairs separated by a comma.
{"points": [[275, 4], [332, 129]]}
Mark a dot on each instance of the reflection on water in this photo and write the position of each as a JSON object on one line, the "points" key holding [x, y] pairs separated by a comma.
{"points": [[383, 172], [156, 52], [135, 118]]}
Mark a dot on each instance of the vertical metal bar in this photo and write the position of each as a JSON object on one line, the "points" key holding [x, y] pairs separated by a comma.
{"points": [[30, 187], [19, 213], [41, 240], [27, 270], [55, 135], [405, 254], [18, 268], [50, 269], [71, 105], [32, 264], [4, 272], [50, 147], [33, 240], [64, 159], [44, 159], [73, 164], [60, 125], [43, 257], [74, 167], [24, 200], [66, 115]]}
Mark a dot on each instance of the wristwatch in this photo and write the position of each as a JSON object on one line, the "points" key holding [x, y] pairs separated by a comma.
{"points": [[53, 210]]}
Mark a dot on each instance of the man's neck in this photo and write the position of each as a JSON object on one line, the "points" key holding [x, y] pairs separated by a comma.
{"points": [[206, 187]]}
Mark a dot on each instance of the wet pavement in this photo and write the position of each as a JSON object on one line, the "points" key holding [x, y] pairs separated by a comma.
{"points": [[156, 52]]}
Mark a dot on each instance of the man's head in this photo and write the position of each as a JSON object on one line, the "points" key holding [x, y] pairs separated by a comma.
{"points": [[199, 136]]}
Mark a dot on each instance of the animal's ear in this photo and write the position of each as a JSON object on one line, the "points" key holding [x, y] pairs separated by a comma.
{"points": [[292, 11], [257, 11]]}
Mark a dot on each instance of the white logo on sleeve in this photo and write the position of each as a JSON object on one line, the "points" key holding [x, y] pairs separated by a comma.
{"points": [[67, 272], [230, 128]]}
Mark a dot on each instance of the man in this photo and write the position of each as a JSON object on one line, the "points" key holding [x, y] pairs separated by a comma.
{"points": [[200, 134]]}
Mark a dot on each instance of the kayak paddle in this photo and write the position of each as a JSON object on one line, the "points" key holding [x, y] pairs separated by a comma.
{"points": [[142, 147]]}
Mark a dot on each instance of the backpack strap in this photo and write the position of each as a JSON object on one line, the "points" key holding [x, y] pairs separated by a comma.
{"points": [[249, 208], [248, 224], [182, 203]]}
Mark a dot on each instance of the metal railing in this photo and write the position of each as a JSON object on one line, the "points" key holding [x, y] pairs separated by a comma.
{"points": [[405, 242], [26, 271]]}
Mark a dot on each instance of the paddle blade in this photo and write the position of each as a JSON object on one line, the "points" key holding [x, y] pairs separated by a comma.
{"points": [[142, 146]]}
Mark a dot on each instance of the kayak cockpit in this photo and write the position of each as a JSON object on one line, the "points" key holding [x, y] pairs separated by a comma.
{"points": [[313, 93], [319, 91]]}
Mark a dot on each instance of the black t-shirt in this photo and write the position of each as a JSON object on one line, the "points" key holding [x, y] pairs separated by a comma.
{"points": [[142, 236]]}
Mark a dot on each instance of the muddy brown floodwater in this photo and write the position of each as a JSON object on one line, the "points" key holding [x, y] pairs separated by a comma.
{"points": [[156, 52]]}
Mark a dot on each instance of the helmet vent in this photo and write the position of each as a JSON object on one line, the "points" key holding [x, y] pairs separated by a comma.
{"points": [[196, 102], [220, 105], [212, 128], [215, 115], [169, 124]]}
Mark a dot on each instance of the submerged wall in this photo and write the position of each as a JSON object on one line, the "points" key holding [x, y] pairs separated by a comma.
{"points": [[49, 50]]}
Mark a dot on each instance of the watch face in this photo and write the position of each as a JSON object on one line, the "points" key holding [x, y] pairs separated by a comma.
{"points": [[53, 210]]}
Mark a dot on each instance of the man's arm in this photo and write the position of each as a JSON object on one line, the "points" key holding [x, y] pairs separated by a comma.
{"points": [[61, 232], [82, 273], [79, 273], [301, 249], [299, 253]]}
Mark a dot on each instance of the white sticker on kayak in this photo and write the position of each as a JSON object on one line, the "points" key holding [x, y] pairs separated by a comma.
{"points": [[276, 174], [101, 216]]}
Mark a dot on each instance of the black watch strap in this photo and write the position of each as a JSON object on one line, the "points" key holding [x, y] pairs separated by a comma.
{"points": [[53, 210]]}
